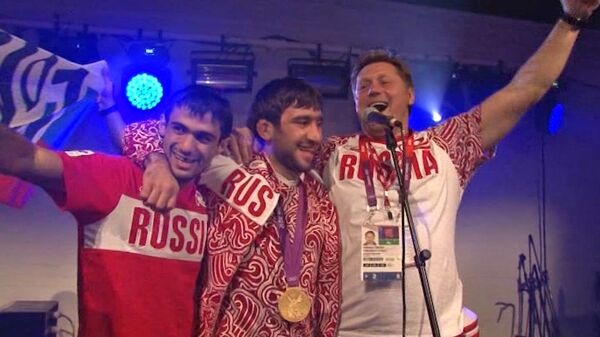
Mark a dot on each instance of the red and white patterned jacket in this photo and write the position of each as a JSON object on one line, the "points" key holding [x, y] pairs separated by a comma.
{"points": [[243, 274]]}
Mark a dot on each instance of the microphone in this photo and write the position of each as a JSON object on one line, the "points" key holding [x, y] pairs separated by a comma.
{"points": [[374, 116]]}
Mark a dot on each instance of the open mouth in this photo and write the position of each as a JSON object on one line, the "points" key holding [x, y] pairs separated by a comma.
{"points": [[380, 106]]}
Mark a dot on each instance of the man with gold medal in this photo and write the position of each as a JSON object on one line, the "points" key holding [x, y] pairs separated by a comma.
{"points": [[272, 263]]}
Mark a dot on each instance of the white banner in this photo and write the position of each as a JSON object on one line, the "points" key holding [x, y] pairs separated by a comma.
{"points": [[35, 83]]}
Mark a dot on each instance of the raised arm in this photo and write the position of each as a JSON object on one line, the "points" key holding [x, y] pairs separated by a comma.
{"points": [[20, 158], [502, 110], [107, 108]]}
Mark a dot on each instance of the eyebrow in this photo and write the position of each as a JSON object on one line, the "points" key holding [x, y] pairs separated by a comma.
{"points": [[376, 77], [301, 117], [195, 133], [205, 134], [172, 123]]}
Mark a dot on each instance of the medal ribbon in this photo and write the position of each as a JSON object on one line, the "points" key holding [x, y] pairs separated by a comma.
{"points": [[292, 252]]}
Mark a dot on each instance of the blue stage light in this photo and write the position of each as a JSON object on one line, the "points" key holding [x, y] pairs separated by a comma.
{"points": [[435, 116], [144, 91], [556, 117], [146, 81]]}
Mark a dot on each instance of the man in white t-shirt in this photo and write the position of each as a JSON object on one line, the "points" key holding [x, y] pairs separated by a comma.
{"points": [[441, 160]]}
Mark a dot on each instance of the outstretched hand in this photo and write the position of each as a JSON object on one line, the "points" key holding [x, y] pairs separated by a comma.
{"points": [[160, 188], [580, 8]]}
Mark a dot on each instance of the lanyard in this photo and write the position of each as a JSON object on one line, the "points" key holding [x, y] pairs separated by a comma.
{"points": [[292, 252], [370, 162], [366, 166]]}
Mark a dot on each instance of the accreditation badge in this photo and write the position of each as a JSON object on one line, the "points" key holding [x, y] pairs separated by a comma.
{"points": [[381, 253], [381, 250]]}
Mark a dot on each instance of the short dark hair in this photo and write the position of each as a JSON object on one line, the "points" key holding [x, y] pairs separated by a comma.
{"points": [[381, 55], [200, 100], [278, 95]]}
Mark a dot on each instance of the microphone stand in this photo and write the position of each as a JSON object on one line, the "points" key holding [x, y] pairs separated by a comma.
{"points": [[550, 317], [420, 255]]}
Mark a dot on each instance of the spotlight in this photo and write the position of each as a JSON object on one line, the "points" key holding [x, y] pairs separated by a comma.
{"points": [[435, 116], [144, 91], [549, 111], [224, 75], [147, 80], [555, 119], [230, 68]]}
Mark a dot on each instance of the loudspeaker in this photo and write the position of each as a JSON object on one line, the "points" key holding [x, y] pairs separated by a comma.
{"points": [[29, 319]]}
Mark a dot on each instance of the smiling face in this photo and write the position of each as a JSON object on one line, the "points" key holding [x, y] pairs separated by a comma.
{"points": [[381, 83], [285, 117], [190, 142], [292, 145]]}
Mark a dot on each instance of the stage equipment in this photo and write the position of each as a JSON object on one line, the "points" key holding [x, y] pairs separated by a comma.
{"points": [[29, 319], [225, 66], [330, 76], [147, 80]]}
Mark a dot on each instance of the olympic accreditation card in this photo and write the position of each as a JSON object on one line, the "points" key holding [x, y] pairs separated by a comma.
{"points": [[381, 252]]}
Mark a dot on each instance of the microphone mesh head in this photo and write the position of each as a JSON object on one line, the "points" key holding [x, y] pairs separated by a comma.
{"points": [[374, 116]]}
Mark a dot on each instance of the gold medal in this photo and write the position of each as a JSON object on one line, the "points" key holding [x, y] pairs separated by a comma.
{"points": [[294, 304]]}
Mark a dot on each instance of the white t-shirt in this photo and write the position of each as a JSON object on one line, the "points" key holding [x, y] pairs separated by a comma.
{"points": [[444, 159]]}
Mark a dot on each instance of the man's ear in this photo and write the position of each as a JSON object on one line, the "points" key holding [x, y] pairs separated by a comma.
{"points": [[162, 125], [265, 129], [355, 99], [411, 96]]}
